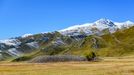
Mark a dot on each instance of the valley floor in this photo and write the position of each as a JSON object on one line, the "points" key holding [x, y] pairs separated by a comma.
{"points": [[107, 66]]}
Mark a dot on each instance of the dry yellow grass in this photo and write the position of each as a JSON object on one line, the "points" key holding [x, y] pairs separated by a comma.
{"points": [[108, 66]]}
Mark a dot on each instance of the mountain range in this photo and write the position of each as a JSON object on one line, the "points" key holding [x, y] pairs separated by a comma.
{"points": [[102, 36]]}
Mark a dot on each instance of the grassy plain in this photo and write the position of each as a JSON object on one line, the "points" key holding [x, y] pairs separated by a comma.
{"points": [[107, 66]]}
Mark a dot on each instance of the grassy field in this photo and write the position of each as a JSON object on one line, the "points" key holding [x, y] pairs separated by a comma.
{"points": [[107, 66]]}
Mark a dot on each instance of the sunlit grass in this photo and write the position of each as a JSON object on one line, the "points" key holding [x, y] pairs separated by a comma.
{"points": [[108, 66]]}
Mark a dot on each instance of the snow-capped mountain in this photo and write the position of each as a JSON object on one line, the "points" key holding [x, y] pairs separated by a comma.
{"points": [[96, 27], [27, 43]]}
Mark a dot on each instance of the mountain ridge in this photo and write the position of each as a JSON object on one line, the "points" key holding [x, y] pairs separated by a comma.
{"points": [[100, 25]]}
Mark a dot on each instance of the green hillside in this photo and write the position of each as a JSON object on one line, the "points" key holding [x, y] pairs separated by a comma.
{"points": [[119, 43]]}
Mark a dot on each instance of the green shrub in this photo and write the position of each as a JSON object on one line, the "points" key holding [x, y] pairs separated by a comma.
{"points": [[90, 56]]}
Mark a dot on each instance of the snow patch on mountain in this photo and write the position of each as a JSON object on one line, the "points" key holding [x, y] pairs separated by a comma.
{"points": [[77, 27], [126, 24], [11, 42], [33, 44], [14, 52], [26, 35]]}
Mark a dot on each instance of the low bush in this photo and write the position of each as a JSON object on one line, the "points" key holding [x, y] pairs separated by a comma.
{"points": [[90, 56]]}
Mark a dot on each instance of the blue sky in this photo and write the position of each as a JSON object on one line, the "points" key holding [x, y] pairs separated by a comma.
{"points": [[18, 17]]}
